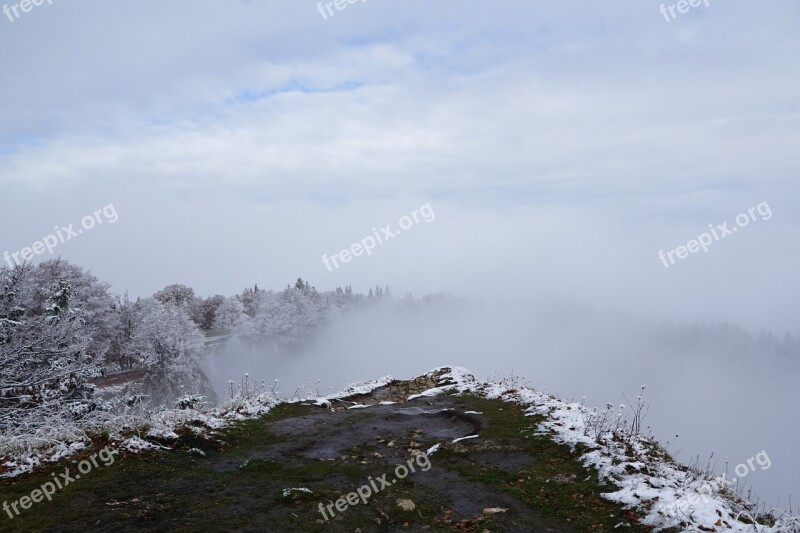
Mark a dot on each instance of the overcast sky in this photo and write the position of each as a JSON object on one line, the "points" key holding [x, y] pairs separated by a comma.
{"points": [[560, 145]]}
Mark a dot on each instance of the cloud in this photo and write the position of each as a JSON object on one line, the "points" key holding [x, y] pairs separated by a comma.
{"points": [[562, 145]]}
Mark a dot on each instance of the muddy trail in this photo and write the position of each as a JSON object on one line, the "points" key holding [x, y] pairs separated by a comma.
{"points": [[272, 474]]}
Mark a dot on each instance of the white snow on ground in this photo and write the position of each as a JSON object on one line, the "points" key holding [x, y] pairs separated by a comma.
{"points": [[27, 462], [136, 445], [668, 494], [288, 492], [465, 438], [639, 475], [125, 433], [430, 392], [362, 387], [23, 454]]}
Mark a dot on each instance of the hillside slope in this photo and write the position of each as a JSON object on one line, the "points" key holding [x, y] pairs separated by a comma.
{"points": [[440, 452]]}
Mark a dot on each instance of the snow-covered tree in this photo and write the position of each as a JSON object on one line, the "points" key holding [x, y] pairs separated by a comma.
{"points": [[176, 294], [231, 317], [168, 344], [122, 354], [88, 296], [205, 312], [60, 331], [44, 364]]}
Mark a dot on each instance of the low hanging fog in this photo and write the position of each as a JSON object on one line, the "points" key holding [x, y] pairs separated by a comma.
{"points": [[602, 196], [710, 388]]}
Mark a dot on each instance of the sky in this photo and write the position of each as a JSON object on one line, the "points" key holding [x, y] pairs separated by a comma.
{"points": [[557, 148], [562, 147]]}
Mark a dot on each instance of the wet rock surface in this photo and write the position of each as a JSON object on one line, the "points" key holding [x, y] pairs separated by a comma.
{"points": [[392, 434], [278, 473]]}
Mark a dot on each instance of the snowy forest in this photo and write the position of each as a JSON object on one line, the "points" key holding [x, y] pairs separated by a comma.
{"points": [[69, 348]]}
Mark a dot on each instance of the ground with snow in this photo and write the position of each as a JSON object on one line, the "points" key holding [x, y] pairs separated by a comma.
{"points": [[502, 457]]}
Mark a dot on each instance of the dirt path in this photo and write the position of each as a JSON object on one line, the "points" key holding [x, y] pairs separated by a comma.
{"points": [[505, 480]]}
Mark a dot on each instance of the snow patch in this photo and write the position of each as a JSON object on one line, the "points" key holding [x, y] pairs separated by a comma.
{"points": [[668, 494]]}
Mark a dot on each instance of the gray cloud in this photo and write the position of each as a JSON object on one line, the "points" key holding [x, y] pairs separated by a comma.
{"points": [[561, 145]]}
